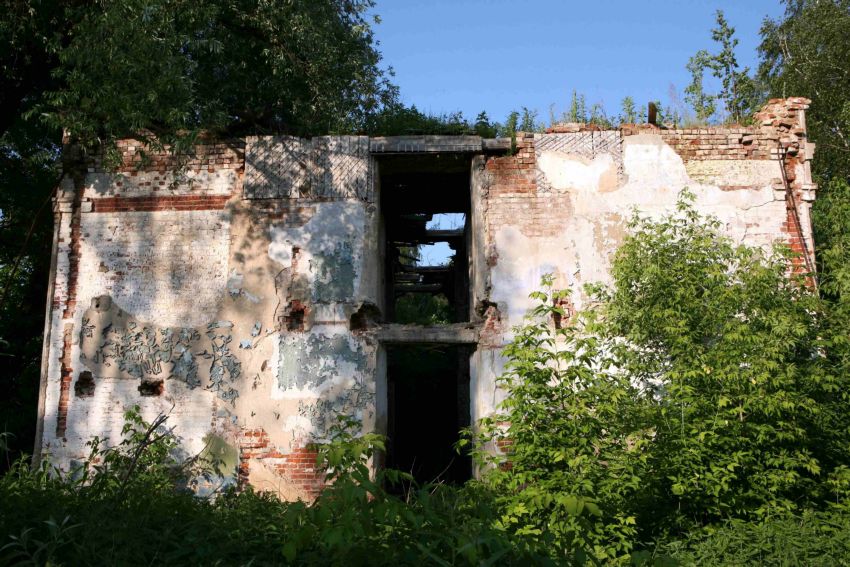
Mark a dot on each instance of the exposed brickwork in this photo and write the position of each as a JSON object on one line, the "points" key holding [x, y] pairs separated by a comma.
{"points": [[720, 143], [493, 327], [66, 376], [164, 203], [136, 155], [297, 467], [513, 199], [73, 258], [786, 117]]}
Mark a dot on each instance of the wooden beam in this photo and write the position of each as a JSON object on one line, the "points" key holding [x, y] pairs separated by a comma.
{"points": [[418, 288], [456, 333]]}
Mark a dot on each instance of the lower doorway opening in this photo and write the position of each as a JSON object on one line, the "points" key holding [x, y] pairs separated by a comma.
{"points": [[428, 405]]}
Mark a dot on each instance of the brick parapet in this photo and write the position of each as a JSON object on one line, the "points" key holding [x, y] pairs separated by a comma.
{"points": [[779, 124], [723, 143], [136, 155]]}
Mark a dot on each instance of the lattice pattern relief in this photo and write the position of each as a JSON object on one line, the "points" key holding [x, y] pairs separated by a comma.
{"points": [[277, 167], [328, 167], [341, 167], [584, 144]]}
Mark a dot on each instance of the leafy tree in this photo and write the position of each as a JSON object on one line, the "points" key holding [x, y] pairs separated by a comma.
{"points": [[738, 93], [312, 68], [702, 103]]}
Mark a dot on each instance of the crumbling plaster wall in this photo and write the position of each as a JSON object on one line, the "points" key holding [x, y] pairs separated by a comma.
{"points": [[561, 204], [182, 291], [222, 287]]}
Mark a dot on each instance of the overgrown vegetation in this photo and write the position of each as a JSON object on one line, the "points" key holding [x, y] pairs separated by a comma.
{"points": [[694, 414], [122, 508], [706, 385]]}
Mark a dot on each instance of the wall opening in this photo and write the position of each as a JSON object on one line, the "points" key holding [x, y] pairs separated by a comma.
{"points": [[427, 406], [425, 203]]}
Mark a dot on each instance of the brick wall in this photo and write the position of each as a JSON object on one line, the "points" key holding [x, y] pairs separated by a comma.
{"points": [[267, 281], [160, 203], [297, 467], [136, 155], [513, 198]]}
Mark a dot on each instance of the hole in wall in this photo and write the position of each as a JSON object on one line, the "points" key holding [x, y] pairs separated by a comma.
{"points": [[366, 316], [295, 316], [151, 387], [84, 388]]}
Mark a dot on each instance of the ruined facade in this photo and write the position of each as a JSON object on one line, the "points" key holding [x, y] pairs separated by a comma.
{"points": [[256, 289]]}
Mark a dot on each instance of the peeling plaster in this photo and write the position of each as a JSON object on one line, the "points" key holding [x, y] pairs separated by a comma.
{"points": [[326, 244], [566, 171]]}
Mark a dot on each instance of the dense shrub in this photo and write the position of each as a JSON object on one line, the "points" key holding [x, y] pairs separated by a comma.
{"points": [[701, 387], [812, 539], [123, 509]]}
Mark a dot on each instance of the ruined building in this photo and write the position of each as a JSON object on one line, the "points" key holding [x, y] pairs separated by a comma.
{"points": [[256, 289]]}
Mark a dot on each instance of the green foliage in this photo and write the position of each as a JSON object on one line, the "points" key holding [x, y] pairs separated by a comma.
{"points": [[576, 440], [578, 109], [312, 67], [744, 405], [806, 53], [812, 539], [738, 90], [629, 115], [528, 121], [702, 103], [423, 309], [123, 508], [696, 390]]}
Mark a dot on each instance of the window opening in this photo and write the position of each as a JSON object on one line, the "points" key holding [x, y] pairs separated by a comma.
{"points": [[425, 202]]}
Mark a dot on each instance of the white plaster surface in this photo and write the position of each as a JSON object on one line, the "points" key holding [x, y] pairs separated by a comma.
{"points": [[167, 267], [597, 225]]}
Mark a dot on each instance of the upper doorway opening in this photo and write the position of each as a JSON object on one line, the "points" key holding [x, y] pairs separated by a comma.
{"points": [[425, 203]]}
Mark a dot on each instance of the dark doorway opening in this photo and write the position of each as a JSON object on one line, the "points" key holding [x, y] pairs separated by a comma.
{"points": [[428, 405], [425, 203]]}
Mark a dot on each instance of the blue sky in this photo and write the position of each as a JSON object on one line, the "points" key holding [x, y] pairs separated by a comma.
{"points": [[498, 55]]}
